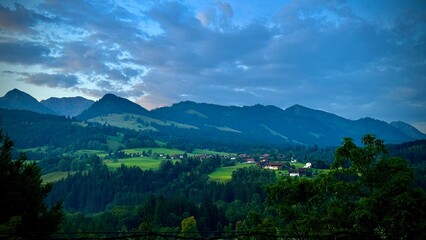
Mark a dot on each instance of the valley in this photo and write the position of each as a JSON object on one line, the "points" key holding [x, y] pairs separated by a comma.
{"points": [[119, 168]]}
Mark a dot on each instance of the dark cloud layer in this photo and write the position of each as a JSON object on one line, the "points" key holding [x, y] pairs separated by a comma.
{"points": [[23, 52], [352, 58], [20, 18], [51, 80]]}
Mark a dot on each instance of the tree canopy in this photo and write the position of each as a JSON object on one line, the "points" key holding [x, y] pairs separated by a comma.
{"points": [[23, 212], [365, 194]]}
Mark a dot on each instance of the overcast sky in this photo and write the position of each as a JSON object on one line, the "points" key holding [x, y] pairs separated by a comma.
{"points": [[352, 58]]}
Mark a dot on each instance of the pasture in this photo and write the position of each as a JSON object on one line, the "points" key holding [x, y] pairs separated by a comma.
{"points": [[154, 150], [56, 176], [224, 174], [144, 163]]}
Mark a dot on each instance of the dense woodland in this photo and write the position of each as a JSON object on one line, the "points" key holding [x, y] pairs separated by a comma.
{"points": [[370, 190]]}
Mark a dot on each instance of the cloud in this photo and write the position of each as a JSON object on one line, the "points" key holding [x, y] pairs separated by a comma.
{"points": [[333, 55], [52, 80], [23, 53], [218, 16], [19, 19]]}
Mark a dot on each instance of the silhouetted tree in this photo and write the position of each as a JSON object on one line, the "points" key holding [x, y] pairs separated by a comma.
{"points": [[23, 212]]}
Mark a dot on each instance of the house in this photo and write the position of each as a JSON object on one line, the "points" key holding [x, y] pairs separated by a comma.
{"points": [[294, 173], [274, 166], [250, 160]]}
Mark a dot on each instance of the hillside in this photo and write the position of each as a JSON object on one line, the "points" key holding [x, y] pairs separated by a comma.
{"points": [[29, 129], [408, 129], [67, 106], [272, 125]]}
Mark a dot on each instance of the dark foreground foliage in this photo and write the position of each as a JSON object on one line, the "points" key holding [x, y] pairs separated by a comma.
{"points": [[365, 193], [23, 212]]}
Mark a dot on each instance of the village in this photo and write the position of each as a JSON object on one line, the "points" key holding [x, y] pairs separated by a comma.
{"points": [[282, 164]]}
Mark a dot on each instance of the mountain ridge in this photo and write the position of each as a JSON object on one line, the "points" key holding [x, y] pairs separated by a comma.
{"points": [[261, 124], [68, 106]]}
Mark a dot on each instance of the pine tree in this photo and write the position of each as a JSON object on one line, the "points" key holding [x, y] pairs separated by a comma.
{"points": [[23, 212]]}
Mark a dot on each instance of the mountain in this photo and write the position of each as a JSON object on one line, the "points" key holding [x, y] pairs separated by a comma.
{"points": [[68, 106], [269, 124], [16, 99], [408, 129], [110, 104], [227, 125]]}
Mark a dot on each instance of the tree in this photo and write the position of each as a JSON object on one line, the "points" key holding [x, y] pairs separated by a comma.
{"points": [[189, 227], [365, 194], [23, 212]]}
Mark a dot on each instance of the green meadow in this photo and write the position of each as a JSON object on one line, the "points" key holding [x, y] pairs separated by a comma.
{"points": [[223, 174], [154, 150], [56, 176], [145, 163], [100, 153], [168, 151], [204, 151]]}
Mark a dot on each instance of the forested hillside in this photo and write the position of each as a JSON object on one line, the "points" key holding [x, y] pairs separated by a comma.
{"points": [[346, 200]]}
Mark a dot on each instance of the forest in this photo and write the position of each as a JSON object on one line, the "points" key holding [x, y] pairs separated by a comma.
{"points": [[370, 190], [365, 194]]}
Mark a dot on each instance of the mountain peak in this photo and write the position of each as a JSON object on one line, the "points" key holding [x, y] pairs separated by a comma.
{"points": [[297, 107], [17, 99], [14, 93], [110, 104], [110, 96]]}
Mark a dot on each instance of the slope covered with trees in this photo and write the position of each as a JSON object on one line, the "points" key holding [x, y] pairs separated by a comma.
{"points": [[365, 194]]}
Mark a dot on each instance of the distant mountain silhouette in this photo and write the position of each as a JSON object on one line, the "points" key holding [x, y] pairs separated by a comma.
{"points": [[256, 124], [408, 129], [109, 104], [16, 99], [269, 124], [67, 106]]}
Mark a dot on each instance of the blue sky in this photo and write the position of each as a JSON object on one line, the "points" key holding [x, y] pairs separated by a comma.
{"points": [[351, 58]]}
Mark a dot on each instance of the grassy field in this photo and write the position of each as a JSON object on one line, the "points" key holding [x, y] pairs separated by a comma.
{"points": [[223, 174], [203, 151], [298, 164], [56, 176], [154, 150], [174, 151], [135, 122], [144, 163], [100, 153], [35, 149]]}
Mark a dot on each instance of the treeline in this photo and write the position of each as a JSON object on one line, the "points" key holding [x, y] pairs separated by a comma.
{"points": [[133, 199], [415, 153], [29, 129]]}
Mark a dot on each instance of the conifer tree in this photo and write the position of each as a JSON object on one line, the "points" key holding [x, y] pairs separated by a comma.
{"points": [[23, 212]]}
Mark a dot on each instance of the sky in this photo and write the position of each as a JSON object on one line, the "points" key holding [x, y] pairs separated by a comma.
{"points": [[353, 58]]}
